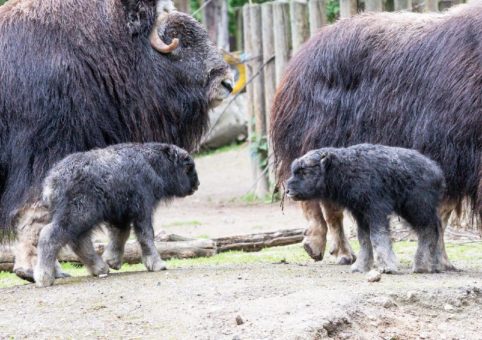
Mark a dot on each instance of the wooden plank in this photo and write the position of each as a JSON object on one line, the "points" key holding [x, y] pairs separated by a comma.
{"points": [[300, 30], [431, 5], [402, 5], [317, 15], [373, 5], [282, 37], [348, 8]]}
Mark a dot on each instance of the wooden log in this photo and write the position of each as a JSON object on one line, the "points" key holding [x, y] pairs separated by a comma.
{"points": [[262, 183], [256, 242], [180, 249], [317, 15], [282, 38], [373, 5], [269, 71], [402, 5], [300, 30], [348, 8]]}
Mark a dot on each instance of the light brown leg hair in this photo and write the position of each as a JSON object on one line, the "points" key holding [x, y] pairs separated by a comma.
{"points": [[445, 210], [340, 246], [314, 241], [29, 222]]}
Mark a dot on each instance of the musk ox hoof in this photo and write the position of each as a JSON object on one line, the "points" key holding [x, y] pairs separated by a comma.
{"points": [[346, 259], [388, 269], [43, 279], [315, 256], [61, 275], [113, 261], [360, 267], [154, 263], [25, 274], [115, 264], [101, 269]]}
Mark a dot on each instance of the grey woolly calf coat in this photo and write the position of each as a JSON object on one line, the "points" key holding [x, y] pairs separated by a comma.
{"points": [[120, 185], [373, 181]]}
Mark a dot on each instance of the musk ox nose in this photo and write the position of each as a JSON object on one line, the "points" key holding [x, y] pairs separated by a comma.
{"points": [[228, 84]]}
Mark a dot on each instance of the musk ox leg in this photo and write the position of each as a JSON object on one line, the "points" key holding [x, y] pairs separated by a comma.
{"points": [[314, 241], [145, 236], [84, 249], [340, 246], [29, 222], [115, 249], [428, 249], [52, 238], [382, 245], [364, 261], [445, 211]]}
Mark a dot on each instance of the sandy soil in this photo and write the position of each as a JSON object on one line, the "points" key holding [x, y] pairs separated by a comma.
{"points": [[271, 301]]}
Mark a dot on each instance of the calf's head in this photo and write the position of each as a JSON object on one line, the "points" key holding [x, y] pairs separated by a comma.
{"points": [[308, 175], [178, 172]]}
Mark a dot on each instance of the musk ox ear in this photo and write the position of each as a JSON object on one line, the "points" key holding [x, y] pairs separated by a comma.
{"points": [[326, 159], [139, 15]]}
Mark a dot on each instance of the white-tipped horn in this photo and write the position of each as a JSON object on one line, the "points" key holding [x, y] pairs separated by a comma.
{"points": [[156, 42]]}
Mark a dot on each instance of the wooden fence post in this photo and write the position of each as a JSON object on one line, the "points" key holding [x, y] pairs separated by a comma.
{"points": [[249, 87], [269, 73], [373, 5], [262, 184], [317, 14], [282, 37], [401, 5], [300, 30], [348, 8], [431, 5]]}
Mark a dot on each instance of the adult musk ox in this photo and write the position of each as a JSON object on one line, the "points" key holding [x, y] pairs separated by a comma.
{"points": [[372, 182], [76, 74], [399, 79], [119, 185]]}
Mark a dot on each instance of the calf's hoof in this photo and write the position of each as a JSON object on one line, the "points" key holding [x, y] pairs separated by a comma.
{"points": [[388, 269], [43, 279], [25, 274], [313, 250], [113, 262], [154, 264], [359, 267], [61, 275]]}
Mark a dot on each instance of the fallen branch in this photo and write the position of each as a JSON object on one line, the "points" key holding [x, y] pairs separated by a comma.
{"points": [[175, 246]]}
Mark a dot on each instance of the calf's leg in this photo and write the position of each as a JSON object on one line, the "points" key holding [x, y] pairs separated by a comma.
{"points": [[115, 249], [382, 245], [84, 249], [52, 238], [364, 260], [145, 236]]}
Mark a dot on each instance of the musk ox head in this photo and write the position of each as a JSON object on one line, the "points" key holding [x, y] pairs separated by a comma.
{"points": [[181, 39], [308, 176], [175, 167]]}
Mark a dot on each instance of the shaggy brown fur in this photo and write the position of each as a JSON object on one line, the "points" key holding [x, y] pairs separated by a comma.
{"points": [[400, 79]]}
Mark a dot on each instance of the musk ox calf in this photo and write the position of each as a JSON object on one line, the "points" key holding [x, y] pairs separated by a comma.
{"points": [[118, 185], [373, 181], [399, 79]]}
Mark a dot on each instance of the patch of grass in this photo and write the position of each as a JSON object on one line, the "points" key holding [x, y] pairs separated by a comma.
{"points": [[251, 198], [226, 148], [203, 236], [466, 254], [191, 223]]}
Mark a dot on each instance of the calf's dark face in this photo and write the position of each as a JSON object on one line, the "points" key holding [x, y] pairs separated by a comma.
{"points": [[307, 179]]}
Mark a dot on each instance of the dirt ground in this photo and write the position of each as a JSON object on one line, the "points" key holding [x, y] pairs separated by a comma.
{"points": [[255, 301]]}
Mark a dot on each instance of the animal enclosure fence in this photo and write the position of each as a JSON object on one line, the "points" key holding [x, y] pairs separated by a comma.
{"points": [[272, 33]]}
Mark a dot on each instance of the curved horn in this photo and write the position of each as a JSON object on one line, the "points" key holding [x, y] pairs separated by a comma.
{"points": [[156, 41]]}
